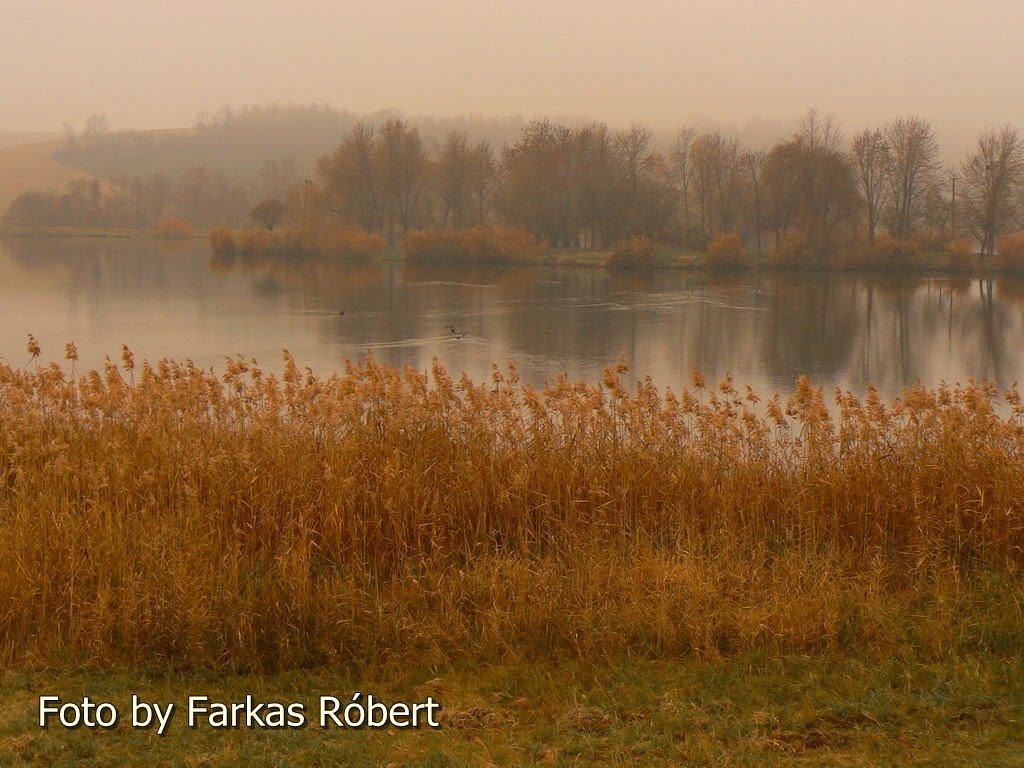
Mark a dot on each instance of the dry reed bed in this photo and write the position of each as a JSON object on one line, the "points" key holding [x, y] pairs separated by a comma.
{"points": [[163, 515]]}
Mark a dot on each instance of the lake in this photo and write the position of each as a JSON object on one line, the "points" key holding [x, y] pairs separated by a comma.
{"points": [[170, 300]]}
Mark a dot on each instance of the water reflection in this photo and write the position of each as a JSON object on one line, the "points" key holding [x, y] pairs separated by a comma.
{"points": [[174, 301]]}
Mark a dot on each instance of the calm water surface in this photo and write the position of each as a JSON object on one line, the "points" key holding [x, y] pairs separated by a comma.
{"points": [[169, 300]]}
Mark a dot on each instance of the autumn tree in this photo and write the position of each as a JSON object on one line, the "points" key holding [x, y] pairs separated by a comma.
{"points": [[753, 163], [96, 125], [993, 177], [809, 184], [820, 132], [682, 175], [593, 179], [911, 166], [716, 176], [462, 180], [350, 178], [402, 162], [535, 191], [643, 183], [451, 179], [483, 176], [268, 213], [870, 155]]}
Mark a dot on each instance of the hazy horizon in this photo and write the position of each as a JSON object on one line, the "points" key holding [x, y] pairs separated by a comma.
{"points": [[158, 65]]}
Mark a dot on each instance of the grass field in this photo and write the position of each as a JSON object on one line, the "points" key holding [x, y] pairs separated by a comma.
{"points": [[752, 710], [584, 574]]}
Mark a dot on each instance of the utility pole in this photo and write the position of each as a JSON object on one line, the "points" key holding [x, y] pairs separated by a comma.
{"points": [[306, 184], [952, 222]]}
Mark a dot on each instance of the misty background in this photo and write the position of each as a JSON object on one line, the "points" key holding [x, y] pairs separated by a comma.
{"points": [[752, 67]]}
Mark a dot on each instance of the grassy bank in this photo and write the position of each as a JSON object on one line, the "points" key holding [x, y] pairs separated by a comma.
{"points": [[748, 711]]}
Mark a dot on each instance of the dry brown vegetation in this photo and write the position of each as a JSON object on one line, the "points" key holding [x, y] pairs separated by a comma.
{"points": [[960, 255], [336, 241], [1010, 251], [633, 253], [792, 250], [176, 229], [726, 251], [162, 515], [892, 253]]}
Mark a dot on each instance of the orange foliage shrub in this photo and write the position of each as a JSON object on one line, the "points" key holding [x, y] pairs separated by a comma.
{"points": [[635, 253], [223, 242], [892, 253], [350, 242], [1010, 251], [930, 242], [726, 251], [176, 229], [264, 242], [340, 241], [960, 254], [479, 245], [793, 250]]}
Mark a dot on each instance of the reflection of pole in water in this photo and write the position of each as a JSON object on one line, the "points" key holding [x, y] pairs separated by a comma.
{"points": [[865, 349], [992, 339], [949, 332]]}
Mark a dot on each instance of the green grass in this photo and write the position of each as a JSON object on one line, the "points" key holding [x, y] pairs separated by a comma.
{"points": [[750, 710]]}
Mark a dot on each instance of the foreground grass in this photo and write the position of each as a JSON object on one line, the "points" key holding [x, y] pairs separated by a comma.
{"points": [[751, 710], [588, 574]]}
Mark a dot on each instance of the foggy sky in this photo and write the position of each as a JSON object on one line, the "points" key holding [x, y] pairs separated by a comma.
{"points": [[156, 64]]}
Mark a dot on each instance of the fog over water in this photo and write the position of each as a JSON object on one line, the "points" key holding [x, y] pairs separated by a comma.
{"points": [[745, 63]]}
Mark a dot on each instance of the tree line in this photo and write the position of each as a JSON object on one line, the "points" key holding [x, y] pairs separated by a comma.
{"points": [[589, 186]]}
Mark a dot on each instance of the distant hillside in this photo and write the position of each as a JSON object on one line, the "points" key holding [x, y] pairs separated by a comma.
{"points": [[16, 138], [238, 144], [254, 143], [31, 166], [242, 155]]}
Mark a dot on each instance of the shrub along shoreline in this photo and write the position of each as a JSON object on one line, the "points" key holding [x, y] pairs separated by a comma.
{"points": [[511, 246], [162, 515]]}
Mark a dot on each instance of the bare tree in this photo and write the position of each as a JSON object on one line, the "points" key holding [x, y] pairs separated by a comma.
{"points": [[993, 175], [402, 162], [820, 132], [912, 163], [452, 177], [753, 163], [870, 154], [682, 173], [96, 125], [593, 182], [351, 180], [535, 183], [484, 176], [716, 175], [635, 161], [268, 213], [811, 187]]}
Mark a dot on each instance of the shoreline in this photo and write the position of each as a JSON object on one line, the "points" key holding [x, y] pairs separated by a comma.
{"points": [[668, 259]]}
